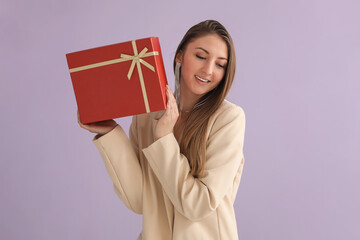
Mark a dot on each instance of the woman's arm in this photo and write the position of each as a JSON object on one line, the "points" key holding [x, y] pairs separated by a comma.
{"points": [[196, 198], [123, 166], [121, 160]]}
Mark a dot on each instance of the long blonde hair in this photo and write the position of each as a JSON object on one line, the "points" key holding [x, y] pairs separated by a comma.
{"points": [[193, 142]]}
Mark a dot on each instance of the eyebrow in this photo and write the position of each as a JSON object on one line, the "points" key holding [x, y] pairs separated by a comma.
{"points": [[208, 53]]}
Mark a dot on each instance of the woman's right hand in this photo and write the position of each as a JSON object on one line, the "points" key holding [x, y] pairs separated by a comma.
{"points": [[101, 128]]}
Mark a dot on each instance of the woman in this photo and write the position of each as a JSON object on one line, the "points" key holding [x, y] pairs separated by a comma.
{"points": [[181, 167]]}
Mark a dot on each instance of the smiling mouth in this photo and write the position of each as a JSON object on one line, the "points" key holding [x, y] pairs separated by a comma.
{"points": [[201, 79]]}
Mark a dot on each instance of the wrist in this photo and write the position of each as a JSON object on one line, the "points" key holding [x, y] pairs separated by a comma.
{"points": [[102, 133], [157, 137]]}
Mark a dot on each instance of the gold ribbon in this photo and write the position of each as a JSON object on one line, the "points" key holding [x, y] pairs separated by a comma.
{"points": [[136, 59]]}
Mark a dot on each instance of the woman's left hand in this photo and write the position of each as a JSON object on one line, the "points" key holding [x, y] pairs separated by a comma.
{"points": [[166, 123]]}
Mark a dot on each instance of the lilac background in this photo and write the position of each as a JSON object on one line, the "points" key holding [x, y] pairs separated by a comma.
{"points": [[297, 80]]}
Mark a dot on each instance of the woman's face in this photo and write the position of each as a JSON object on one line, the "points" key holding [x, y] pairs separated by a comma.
{"points": [[203, 65]]}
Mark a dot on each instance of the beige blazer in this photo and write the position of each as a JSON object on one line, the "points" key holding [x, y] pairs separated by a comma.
{"points": [[153, 178]]}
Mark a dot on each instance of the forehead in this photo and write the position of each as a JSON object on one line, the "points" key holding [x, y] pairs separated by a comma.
{"points": [[212, 43]]}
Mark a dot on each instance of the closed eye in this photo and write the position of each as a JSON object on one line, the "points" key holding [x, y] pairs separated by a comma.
{"points": [[200, 57], [222, 66]]}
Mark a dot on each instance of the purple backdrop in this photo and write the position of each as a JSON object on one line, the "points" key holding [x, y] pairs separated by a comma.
{"points": [[297, 80]]}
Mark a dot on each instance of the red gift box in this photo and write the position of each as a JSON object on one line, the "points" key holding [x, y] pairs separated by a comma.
{"points": [[118, 80]]}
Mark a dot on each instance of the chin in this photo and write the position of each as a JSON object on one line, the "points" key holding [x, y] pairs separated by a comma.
{"points": [[200, 93]]}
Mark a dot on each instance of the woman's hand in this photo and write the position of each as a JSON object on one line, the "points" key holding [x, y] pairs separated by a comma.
{"points": [[101, 128], [166, 123]]}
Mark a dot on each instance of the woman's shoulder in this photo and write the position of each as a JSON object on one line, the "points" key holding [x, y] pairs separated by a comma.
{"points": [[227, 116], [228, 109]]}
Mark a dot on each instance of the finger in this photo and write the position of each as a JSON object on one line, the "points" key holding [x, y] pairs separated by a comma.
{"points": [[171, 94], [171, 108], [171, 97], [172, 101], [168, 97]]}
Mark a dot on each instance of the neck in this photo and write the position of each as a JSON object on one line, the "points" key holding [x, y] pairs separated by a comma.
{"points": [[187, 102]]}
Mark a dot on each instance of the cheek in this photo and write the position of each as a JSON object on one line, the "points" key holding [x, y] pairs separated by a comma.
{"points": [[219, 76], [186, 69]]}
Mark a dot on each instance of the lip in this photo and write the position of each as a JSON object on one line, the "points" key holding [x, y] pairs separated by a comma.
{"points": [[202, 80]]}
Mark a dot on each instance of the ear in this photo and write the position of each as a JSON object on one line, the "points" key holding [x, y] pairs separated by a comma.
{"points": [[179, 57]]}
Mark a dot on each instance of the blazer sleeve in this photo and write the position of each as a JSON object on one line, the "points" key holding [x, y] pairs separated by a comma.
{"points": [[196, 198], [122, 164]]}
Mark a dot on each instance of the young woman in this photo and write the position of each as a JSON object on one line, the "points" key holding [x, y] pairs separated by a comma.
{"points": [[181, 167]]}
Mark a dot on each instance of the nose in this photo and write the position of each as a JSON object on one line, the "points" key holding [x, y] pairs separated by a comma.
{"points": [[208, 67]]}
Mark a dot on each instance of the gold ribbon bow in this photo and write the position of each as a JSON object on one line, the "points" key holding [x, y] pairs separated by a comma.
{"points": [[136, 59]]}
